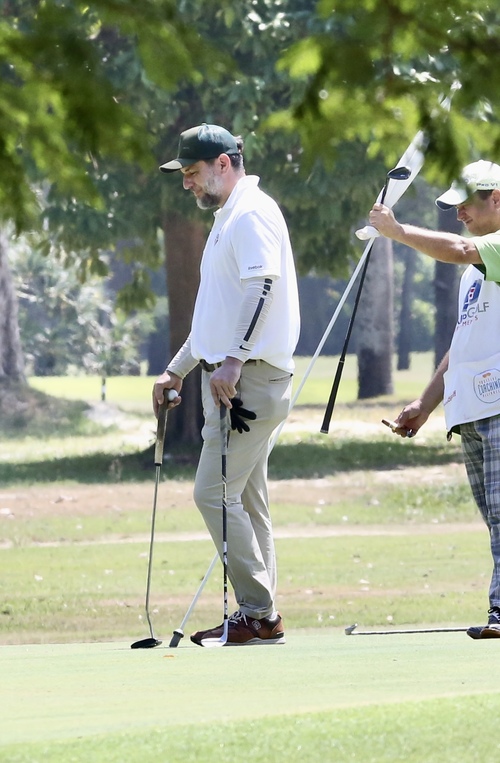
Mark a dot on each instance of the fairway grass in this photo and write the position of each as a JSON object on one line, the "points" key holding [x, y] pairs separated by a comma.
{"points": [[321, 697], [370, 529], [95, 592], [134, 392]]}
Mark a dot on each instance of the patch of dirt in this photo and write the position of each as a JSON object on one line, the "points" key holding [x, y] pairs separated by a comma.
{"points": [[81, 500], [281, 533], [87, 500]]}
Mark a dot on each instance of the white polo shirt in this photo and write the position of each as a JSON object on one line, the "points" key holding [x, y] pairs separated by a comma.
{"points": [[249, 239]]}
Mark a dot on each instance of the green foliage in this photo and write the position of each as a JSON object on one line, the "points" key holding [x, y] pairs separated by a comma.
{"points": [[322, 205], [63, 97], [95, 94], [379, 71], [137, 293], [69, 325], [347, 61], [423, 325]]}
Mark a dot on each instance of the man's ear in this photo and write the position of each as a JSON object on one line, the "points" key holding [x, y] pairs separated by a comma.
{"points": [[224, 162], [495, 195]]}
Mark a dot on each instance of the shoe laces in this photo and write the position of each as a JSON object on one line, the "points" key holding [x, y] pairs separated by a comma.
{"points": [[494, 615], [238, 617]]}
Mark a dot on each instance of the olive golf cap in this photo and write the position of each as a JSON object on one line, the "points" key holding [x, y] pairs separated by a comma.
{"points": [[478, 176], [202, 142]]}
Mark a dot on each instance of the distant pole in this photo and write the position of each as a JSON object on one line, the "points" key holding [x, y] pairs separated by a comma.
{"points": [[103, 388]]}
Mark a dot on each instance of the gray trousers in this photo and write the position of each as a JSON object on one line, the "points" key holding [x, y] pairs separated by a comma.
{"points": [[251, 557], [481, 449]]}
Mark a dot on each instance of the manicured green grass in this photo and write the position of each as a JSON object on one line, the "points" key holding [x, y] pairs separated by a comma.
{"points": [[322, 697], [131, 391], [96, 591], [370, 529]]}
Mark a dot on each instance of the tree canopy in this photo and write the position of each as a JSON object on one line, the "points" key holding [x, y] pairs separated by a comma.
{"points": [[65, 69], [380, 70], [93, 95], [372, 71]]}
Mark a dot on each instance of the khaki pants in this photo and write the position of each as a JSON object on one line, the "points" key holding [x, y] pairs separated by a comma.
{"points": [[266, 390]]}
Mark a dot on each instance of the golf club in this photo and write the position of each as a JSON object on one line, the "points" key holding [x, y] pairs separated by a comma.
{"points": [[223, 451], [152, 641], [179, 632], [398, 173], [351, 631]]}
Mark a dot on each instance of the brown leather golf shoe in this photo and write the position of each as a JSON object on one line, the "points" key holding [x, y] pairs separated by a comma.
{"points": [[244, 630]]}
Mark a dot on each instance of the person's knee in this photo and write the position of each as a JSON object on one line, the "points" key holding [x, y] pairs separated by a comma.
{"points": [[200, 496], [207, 499]]}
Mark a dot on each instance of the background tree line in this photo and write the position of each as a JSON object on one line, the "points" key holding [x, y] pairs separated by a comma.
{"points": [[327, 95]]}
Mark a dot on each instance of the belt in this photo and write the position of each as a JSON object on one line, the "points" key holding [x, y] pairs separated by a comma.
{"points": [[209, 367]]}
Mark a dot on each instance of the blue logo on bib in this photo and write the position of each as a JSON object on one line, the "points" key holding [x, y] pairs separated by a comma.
{"points": [[472, 295]]}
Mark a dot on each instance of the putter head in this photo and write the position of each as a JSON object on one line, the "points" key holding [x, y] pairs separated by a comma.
{"points": [[399, 173], [350, 629], [146, 643], [176, 637]]}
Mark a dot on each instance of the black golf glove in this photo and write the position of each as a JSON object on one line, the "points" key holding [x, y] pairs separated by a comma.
{"points": [[238, 414]]}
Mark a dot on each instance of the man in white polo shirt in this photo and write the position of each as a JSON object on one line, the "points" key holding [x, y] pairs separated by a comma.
{"points": [[244, 331], [468, 379]]}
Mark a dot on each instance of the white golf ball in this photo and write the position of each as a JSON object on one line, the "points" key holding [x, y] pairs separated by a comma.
{"points": [[171, 395]]}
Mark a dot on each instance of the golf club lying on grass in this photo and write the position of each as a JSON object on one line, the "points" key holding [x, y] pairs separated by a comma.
{"points": [[223, 452], [351, 631], [398, 173], [149, 643]]}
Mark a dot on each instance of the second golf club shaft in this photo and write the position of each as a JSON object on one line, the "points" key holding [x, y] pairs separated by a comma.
{"points": [[223, 439]]}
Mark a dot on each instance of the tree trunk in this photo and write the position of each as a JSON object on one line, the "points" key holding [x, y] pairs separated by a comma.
{"points": [[375, 324], [11, 354], [184, 242], [446, 285], [405, 324]]}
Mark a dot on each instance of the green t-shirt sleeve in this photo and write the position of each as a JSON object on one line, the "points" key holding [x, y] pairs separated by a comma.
{"points": [[489, 250]]}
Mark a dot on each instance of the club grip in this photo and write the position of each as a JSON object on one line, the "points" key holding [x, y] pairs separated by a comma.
{"points": [[160, 433]]}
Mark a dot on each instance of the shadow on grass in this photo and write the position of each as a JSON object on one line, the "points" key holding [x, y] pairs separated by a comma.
{"points": [[98, 468], [312, 459], [305, 460], [27, 412]]}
